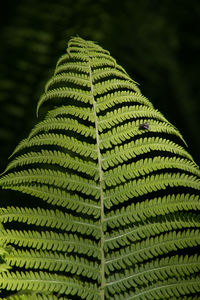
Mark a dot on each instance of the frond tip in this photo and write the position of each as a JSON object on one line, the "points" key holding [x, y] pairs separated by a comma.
{"points": [[112, 195]]}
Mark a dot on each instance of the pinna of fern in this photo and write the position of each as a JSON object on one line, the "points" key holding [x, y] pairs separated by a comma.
{"points": [[111, 195]]}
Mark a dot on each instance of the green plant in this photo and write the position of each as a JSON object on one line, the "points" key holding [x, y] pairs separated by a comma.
{"points": [[112, 197]]}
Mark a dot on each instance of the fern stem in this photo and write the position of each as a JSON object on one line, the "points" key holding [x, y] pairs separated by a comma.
{"points": [[102, 294]]}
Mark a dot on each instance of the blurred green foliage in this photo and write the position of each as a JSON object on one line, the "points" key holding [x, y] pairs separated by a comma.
{"points": [[157, 42]]}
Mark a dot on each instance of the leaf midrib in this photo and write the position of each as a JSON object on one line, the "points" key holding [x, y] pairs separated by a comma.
{"points": [[103, 283]]}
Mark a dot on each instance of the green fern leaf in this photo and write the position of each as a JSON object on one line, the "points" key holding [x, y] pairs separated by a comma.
{"points": [[112, 196]]}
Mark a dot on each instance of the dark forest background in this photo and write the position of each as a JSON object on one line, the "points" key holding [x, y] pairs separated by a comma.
{"points": [[157, 42]]}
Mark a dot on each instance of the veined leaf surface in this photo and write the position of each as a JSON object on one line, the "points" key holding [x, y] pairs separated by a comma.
{"points": [[112, 205]]}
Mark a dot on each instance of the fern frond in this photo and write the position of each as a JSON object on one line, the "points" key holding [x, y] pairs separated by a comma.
{"points": [[51, 241], [140, 212], [54, 158], [75, 94], [118, 116], [104, 73], [61, 198], [62, 124], [34, 296], [53, 261], [149, 184], [125, 132], [112, 195], [53, 178], [125, 237], [70, 77], [151, 247], [45, 282], [170, 289], [72, 67], [141, 146], [50, 218], [54, 139], [142, 167], [121, 97], [159, 270], [83, 113]]}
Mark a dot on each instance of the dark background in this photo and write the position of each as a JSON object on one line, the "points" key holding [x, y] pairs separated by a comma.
{"points": [[157, 42]]}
